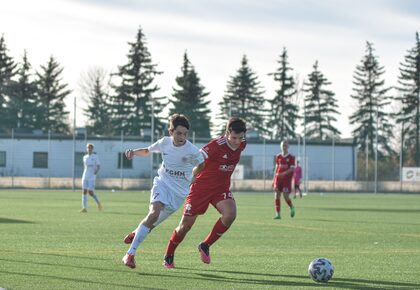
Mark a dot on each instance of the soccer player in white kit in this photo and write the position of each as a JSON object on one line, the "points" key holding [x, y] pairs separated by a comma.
{"points": [[91, 167], [180, 159]]}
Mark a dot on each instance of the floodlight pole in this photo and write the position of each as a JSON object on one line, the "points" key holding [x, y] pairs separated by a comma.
{"points": [[401, 156], [333, 161], [376, 149], [74, 145], [152, 139]]}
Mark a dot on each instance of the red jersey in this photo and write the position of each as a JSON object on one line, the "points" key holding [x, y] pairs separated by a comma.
{"points": [[284, 163], [220, 162]]}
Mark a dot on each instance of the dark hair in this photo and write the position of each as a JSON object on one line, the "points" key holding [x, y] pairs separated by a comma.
{"points": [[178, 120], [236, 124]]}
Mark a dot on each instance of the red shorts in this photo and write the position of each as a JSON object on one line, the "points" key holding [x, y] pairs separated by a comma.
{"points": [[284, 185], [198, 202]]}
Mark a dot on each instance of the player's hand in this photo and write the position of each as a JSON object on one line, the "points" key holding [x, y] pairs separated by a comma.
{"points": [[129, 154]]}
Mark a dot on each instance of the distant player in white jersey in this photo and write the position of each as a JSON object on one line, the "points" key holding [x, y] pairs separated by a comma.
{"points": [[91, 167], [180, 160]]}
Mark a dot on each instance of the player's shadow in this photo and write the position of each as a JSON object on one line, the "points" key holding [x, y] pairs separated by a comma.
{"points": [[14, 221], [334, 283]]}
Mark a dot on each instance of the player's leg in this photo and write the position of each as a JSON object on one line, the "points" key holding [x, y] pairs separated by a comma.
{"points": [[227, 208], [93, 194], [286, 195], [299, 190], [141, 232], [84, 196], [177, 237], [277, 203]]}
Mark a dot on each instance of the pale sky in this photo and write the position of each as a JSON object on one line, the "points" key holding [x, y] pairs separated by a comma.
{"points": [[216, 34]]}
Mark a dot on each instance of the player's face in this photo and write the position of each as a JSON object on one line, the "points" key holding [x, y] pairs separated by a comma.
{"points": [[179, 135], [284, 147], [235, 139], [89, 149]]}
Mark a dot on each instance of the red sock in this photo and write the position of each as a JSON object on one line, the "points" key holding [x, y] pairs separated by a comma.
{"points": [[289, 202], [217, 231], [277, 203], [174, 241]]}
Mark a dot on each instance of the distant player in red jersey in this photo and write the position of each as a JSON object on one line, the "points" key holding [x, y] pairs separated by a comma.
{"points": [[211, 186], [297, 177], [283, 174]]}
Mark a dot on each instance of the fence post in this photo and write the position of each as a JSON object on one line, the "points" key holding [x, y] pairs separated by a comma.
{"points": [[121, 159], [13, 158], [264, 162], [48, 159]]}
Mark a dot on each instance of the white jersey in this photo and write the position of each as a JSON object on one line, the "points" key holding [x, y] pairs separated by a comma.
{"points": [[90, 162], [176, 169]]}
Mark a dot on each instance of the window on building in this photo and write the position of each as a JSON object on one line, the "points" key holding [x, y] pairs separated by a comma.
{"points": [[40, 160], [125, 162], [2, 158]]}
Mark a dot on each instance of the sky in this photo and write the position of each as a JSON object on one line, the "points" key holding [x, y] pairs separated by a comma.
{"points": [[86, 34]]}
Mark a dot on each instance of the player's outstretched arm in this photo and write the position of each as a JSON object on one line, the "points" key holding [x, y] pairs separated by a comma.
{"points": [[130, 153], [196, 170]]}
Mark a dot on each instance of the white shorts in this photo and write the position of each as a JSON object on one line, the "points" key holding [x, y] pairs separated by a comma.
{"points": [[171, 200], [88, 184]]}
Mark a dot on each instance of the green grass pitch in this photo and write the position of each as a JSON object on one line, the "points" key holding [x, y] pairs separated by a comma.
{"points": [[372, 240]]}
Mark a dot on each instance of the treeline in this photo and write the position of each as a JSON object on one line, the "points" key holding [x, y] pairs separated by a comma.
{"points": [[127, 99]]}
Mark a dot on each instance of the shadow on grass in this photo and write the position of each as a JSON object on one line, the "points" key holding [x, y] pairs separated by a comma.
{"points": [[106, 285], [335, 283], [53, 255], [218, 276], [13, 221]]}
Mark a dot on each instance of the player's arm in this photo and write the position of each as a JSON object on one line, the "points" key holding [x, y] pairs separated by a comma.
{"points": [[130, 153], [97, 168], [275, 171], [284, 173], [196, 170]]}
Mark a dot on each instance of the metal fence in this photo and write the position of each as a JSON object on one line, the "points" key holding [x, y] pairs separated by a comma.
{"points": [[60, 156]]}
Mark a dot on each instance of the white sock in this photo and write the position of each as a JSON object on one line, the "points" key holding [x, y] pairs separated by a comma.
{"points": [[84, 200], [141, 233]]}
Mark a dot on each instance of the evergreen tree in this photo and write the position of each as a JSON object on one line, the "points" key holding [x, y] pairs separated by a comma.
{"points": [[320, 106], [23, 103], [95, 89], [51, 93], [284, 113], [189, 99], [409, 87], [244, 98], [7, 72], [133, 101], [370, 117]]}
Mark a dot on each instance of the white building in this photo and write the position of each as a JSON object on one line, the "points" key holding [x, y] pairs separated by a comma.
{"points": [[42, 156]]}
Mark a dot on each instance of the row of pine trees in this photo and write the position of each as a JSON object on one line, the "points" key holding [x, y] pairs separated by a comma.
{"points": [[125, 101]]}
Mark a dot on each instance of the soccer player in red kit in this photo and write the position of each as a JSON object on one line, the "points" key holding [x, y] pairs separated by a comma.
{"points": [[283, 174], [211, 186]]}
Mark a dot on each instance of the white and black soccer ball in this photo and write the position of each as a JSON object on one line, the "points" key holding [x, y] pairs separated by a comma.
{"points": [[321, 270]]}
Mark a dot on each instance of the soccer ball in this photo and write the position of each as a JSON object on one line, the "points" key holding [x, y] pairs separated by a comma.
{"points": [[321, 270]]}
